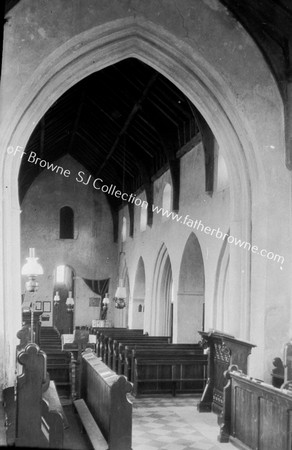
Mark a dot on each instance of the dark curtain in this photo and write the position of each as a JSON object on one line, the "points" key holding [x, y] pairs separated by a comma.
{"points": [[99, 287]]}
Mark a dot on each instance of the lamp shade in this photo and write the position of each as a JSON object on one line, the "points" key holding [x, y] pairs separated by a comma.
{"points": [[32, 267], [121, 291], [70, 299], [106, 300]]}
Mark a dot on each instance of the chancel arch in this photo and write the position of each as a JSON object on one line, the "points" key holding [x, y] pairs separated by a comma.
{"points": [[163, 48], [191, 292]]}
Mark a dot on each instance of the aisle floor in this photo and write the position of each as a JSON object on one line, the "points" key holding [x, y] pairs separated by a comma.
{"points": [[174, 424], [165, 423]]}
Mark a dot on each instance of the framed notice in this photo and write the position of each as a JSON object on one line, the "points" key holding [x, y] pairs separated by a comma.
{"points": [[38, 306], [47, 306], [94, 301]]}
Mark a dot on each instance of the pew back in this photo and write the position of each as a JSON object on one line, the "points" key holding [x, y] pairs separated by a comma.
{"points": [[160, 374], [39, 414], [105, 394]]}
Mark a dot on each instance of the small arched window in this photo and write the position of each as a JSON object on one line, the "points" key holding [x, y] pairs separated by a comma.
{"points": [[66, 223], [166, 199], [124, 229], [143, 212]]}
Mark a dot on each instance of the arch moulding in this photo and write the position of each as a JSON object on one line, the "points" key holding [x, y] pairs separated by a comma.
{"points": [[92, 51]]}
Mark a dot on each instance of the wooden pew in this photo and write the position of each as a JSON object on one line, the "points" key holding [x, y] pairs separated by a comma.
{"points": [[255, 414], [104, 405], [99, 330], [102, 340], [113, 345], [165, 375], [59, 366], [40, 419], [147, 350]]}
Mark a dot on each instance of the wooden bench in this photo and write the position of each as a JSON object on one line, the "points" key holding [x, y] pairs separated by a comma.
{"points": [[123, 354], [164, 375], [40, 420], [113, 346], [104, 402], [102, 340], [59, 367], [170, 351]]}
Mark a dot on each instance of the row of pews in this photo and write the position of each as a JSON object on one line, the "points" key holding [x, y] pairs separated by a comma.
{"points": [[152, 363], [101, 403]]}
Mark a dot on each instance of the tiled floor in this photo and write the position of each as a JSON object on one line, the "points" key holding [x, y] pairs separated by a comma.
{"points": [[168, 423], [173, 424]]}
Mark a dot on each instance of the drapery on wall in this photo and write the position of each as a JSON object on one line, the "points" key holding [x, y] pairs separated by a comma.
{"points": [[99, 287]]}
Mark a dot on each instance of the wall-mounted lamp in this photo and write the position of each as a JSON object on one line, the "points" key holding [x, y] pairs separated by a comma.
{"points": [[32, 269], [120, 296], [105, 303], [56, 299], [70, 302]]}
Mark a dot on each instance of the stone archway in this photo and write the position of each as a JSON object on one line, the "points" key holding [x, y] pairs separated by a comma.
{"points": [[191, 292], [93, 50]]}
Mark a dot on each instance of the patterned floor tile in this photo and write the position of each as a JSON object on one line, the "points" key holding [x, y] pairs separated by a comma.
{"points": [[173, 424]]}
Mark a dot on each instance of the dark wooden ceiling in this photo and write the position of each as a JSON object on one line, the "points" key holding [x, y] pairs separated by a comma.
{"points": [[126, 122], [123, 124]]}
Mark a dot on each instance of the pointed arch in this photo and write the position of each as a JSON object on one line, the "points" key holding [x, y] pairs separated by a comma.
{"points": [[161, 309], [201, 82], [191, 292]]}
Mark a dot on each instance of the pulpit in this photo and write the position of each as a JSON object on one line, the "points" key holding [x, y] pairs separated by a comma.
{"points": [[223, 350]]}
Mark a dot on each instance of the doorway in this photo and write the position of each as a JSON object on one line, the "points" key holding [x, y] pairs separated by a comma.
{"points": [[64, 288]]}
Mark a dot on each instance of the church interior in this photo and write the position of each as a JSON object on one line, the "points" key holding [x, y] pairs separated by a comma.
{"points": [[145, 282]]}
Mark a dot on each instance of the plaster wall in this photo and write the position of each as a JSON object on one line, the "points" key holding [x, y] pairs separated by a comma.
{"points": [[197, 44], [197, 205], [92, 253]]}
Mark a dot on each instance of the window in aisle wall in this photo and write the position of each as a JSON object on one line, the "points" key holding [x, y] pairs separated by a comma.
{"points": [[124, 229], [143, 213], [166, 199], [66, 223]]}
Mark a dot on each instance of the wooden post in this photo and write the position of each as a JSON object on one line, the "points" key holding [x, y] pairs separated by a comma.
{"points": [[224, 419], [29, 395]]}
